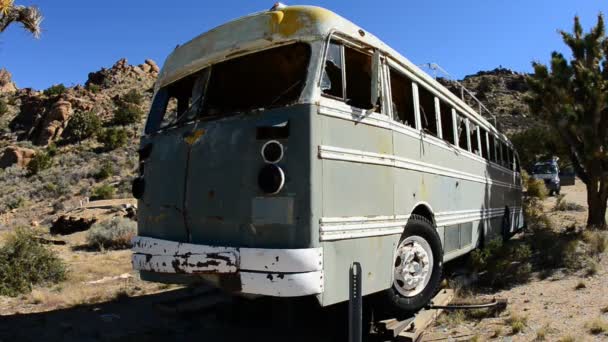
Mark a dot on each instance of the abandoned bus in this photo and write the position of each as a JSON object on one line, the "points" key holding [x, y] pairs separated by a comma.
{"points": [[283, 146]]}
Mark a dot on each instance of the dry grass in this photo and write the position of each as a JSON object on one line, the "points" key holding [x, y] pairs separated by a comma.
{"points": [[567, 338], [580, 285], [112, 234], [517, 322], [604, 310], [597, 326], [597, 241]]}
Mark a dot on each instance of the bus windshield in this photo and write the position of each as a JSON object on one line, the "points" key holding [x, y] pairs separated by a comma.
{"points": [[543, 169], [265, 79]]}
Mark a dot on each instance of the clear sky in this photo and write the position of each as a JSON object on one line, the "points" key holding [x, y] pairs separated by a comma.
{"points": [[461, 36]]}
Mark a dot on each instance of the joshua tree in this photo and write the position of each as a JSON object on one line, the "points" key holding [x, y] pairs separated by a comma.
{"points": [[572, 97], [29, 17]]}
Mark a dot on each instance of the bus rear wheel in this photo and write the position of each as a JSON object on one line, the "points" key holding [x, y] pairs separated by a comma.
{"points": [[417, 268]]}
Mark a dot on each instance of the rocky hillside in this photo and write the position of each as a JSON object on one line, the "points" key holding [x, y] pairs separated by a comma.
{"points": [[62, 145], [503, 92]]}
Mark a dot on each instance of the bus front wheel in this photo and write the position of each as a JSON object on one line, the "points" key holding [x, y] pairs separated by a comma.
{"points": [[417, 268]]}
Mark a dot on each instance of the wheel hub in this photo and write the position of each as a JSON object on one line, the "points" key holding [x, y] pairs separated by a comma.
{"points": [[413, 266]]}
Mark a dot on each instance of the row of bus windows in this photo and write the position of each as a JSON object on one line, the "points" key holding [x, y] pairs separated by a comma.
{"points": [[347, 77]]}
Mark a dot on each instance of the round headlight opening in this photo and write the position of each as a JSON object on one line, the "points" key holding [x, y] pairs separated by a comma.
{"points": [[272, 152], [271, 179]]}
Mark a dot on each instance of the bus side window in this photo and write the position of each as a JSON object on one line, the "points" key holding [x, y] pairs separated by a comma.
{"points": [[510, 159], [503, 154], [484, 145], [331, 83], [402, 98], [517, 165], [492, 148], [358, 78], [427, 111], [462, 132], [473, 136], [447, 126]]}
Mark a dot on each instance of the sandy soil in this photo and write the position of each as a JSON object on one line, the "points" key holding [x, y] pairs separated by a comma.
{"points": [[104, 301]]}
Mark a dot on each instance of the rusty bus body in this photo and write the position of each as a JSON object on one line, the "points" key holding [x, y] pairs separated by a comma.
{"points": [[285, 145]]}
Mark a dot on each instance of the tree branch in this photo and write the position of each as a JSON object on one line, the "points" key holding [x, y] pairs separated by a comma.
{"points": [[29, 17]]}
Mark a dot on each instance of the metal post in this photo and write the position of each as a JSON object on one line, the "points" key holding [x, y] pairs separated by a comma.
{"points": [[355, 304]]}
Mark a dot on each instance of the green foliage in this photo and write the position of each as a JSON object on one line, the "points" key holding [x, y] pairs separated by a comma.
{"points": [[112, 234], [94, 88], [134, 97], [113, 138], [126, 114], [571, 97], [502, 264], [25, 262], [3, 107], [15, 202], [538, 143], [105, 171], [40, 161], [55, 90], [103, 192], [51, 149], [82, 125], [517, 322], [536, 188]]}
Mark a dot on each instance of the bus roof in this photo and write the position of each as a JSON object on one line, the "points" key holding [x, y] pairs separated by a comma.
{"points": [[283, 25]]}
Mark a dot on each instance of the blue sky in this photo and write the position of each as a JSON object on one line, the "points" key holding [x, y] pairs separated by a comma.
{"points": [[462, 36]]}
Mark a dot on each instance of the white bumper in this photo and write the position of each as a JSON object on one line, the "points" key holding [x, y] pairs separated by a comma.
{"points": [[270, 272]]}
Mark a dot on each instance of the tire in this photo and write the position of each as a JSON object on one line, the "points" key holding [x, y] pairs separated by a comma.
{"points": [[558, 191], [395, 300], [550, 193]]}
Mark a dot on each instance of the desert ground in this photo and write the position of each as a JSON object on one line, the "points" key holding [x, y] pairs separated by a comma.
{"points": [[103, 300]]}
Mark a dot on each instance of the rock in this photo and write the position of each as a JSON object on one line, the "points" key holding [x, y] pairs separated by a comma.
{"points": [[14, 155], [54, 122], [65, 225], [6, 82], [153, 67]]}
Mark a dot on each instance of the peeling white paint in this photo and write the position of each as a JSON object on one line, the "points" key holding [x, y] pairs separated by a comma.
{"points": [[282, 285]]}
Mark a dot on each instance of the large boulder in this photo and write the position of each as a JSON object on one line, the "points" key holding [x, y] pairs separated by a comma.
{"points": [[65, 225], [14, 155], [54, 122]]}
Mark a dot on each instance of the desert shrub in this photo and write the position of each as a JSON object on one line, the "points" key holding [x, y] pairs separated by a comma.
{"points": [[40, 161], [3, 107], [597, 242], [536, 188], [94, 88], [502, 264], [517, 322], [81, 126], [562, 205], [25, 262], [126, 114], [103, 192], [112, 234], [51, 149], [55, 90], [105, 171], [133, 96], [113, 138], [15, 202], [597, 326]]}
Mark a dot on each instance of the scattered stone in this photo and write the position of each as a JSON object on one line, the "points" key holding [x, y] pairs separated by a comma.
{"points": [[6, 82]]}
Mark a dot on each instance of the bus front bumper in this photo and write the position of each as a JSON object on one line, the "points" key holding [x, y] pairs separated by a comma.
{"points": [[269, 272]]}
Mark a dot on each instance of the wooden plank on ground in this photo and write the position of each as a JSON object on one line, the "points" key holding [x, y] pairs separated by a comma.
{"points": [[424, 318]]}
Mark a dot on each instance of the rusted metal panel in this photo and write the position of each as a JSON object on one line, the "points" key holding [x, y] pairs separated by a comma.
{"points": [[281, 284], [225, 262]]}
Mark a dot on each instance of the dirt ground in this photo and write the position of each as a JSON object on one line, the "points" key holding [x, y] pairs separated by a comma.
{"points": [[103, 300]]}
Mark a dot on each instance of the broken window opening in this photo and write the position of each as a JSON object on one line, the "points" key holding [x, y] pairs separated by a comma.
{"points": [[462, 132], [447, 125], [493, 157], [428, 116], [331, 83], [510, 159], [484, 144], [269, 78], [358, 67], [473, 136], [402, 98], [171, 103]]}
